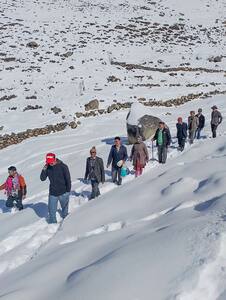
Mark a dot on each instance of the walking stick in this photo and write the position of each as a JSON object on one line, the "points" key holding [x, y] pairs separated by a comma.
{"points": [[152, 150]]}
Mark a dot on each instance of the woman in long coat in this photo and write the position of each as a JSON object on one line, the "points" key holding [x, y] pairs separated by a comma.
{"points": [[139, 156]]}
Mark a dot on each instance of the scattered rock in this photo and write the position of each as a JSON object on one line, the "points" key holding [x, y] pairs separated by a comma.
{"points": [[215, 59], [31, 97], [67, 54], [93, 104], [7, 98], [73, 125], [56, 110], [32, 45], [113, 79], [9, 59], [31, 107]]}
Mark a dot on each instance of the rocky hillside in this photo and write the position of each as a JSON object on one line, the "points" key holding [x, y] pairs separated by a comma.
{"points": [[56, 56]]}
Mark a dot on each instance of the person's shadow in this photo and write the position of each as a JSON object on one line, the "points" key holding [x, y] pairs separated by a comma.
{"points": [[111, 140], [3, 207], [40, 208]]}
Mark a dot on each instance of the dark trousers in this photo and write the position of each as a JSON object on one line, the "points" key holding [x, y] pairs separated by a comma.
{"points": [[14, 200], [116, 175], [214, 130], [198, 133], [162, 154], [95, 189], [181, 143]]}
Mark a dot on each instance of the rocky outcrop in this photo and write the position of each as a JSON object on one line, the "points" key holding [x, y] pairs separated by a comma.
{"points": [[146, 130], [165, 70], [92, 105], [7, 140], [140, 122]]}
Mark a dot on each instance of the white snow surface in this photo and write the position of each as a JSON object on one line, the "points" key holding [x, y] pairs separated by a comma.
{"points": [[137, 111], [161, 236], [78, 41]]}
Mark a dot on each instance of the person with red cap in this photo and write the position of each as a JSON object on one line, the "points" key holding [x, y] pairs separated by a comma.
{"points": [[60, 185], [182, 134]]}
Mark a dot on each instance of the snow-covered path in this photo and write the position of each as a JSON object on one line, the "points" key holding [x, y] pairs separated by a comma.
{"points": [[183, 199]]}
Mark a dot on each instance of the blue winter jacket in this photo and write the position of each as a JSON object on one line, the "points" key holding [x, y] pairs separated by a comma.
{"points": [[115, 156]]}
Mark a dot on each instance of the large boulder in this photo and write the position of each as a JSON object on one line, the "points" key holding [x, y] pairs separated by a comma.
{"points": [[93, 104], [140, 122]]}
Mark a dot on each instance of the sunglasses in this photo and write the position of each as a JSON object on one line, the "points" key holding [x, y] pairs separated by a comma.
{"points": [[93, 152]]}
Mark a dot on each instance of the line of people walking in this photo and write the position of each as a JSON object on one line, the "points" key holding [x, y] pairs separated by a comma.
{"points": [[59, 175]]}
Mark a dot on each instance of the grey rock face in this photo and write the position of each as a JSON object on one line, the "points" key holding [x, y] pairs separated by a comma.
{"points": [[94, 104], [146, 128]]}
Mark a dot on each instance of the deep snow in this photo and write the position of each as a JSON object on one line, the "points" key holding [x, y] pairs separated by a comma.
{"points": [[160, 236], [95, 33]]}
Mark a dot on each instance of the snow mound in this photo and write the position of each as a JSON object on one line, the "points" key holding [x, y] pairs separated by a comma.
{"points": [[137, 111]]}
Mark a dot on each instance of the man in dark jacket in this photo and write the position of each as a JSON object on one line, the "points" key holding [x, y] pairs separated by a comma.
{"points": [[182, 134], [117, 156], [94, 172], [163, 140], [60, 185], [216, 119], [201, 123]]}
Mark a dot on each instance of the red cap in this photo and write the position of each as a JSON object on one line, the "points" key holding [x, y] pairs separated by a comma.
{"points": [[50, 158], [179, 119]]}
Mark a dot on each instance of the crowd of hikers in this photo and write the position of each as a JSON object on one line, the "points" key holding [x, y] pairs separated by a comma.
{"points": [[59, 176]]}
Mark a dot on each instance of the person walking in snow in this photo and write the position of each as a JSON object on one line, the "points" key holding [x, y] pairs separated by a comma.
{"points": [[94, 172], [60, 185], [201, 125], [117, 157], [193, 123], [163, 141], [15, 188], [216, 119], [182, 134], [139, 156]]}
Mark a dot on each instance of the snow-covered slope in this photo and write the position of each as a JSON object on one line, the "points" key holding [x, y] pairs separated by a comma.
{"points": [[78, 43], [161, 236]]}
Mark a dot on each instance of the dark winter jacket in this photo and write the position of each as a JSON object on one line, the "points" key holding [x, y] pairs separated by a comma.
{"points": [[201, 121], [166, 137], [216, 117], [97, 170], [182, 130], [115, 156], [59, 177]]}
